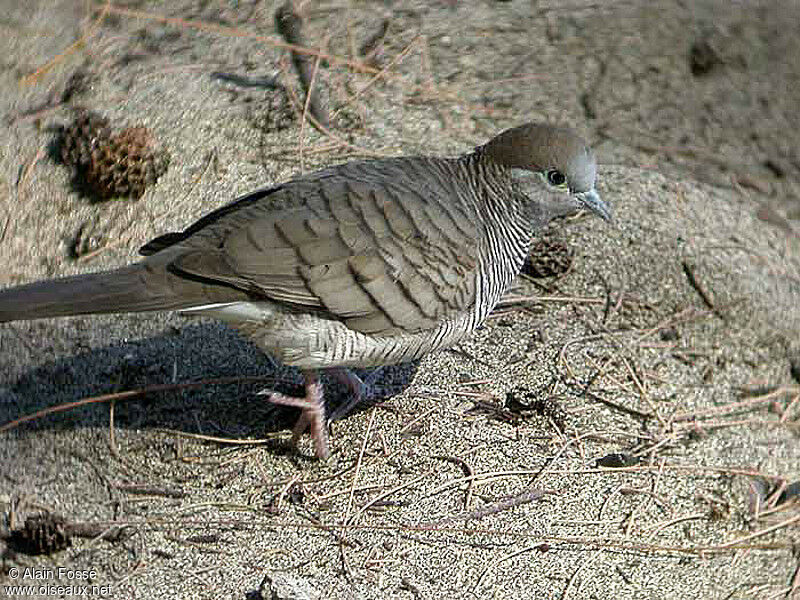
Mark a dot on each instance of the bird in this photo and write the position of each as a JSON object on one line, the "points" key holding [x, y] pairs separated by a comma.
{"points": [[363, 264]]}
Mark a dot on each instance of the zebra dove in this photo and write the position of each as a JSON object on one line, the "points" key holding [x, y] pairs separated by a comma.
{"points": [[362, 264]]}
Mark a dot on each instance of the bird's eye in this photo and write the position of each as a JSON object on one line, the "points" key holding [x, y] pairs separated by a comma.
{"points": [[556, 178]]}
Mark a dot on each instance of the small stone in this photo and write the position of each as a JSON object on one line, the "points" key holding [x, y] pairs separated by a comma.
{"points": [[790, 493], [297, 494], [794, 367], [89, 238], [618, 460], [669, 334], [703, 58], [285, 586]]}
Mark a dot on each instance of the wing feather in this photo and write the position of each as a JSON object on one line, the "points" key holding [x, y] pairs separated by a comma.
{"points": [[364, 243]]}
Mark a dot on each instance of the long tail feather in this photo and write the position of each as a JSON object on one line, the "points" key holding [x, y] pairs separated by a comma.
{"points": [[140, 287]]}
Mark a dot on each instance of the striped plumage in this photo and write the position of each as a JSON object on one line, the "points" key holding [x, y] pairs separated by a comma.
{"points": [[365, 263]]}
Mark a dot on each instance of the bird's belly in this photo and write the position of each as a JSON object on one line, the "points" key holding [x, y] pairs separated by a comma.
{"points": [[311, 341]]}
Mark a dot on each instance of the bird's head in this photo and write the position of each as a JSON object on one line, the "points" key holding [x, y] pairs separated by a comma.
{"points": [[552, 167]]}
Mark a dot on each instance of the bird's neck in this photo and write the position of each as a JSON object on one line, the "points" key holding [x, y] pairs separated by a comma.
{"points": [[506, 232]]}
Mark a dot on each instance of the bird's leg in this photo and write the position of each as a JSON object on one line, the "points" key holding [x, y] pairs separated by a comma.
{"points": [[313, 405], [354, 385], [359, 391], [313, 413]]}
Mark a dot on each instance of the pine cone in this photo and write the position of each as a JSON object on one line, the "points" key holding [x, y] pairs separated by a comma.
{"points": [[41, 534], [121, 164], [125, 164], [547, 257], [80, 136]]}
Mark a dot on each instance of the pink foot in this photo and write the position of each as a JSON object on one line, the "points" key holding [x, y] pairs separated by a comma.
{"points": [[312, 416]]}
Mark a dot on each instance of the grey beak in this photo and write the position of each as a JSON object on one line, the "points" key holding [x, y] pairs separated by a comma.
{"points": [[592, 201]]}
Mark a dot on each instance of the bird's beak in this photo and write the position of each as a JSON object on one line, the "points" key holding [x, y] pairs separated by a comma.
{"points": [[592, 201]]}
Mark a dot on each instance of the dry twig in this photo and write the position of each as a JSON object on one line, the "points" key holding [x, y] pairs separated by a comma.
{"points": [[290, 26]]}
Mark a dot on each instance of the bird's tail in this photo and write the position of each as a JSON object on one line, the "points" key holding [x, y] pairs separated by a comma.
{"points": [[141, 287]]}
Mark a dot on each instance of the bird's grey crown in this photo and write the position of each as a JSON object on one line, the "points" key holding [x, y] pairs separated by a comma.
{"points": [[538, 147]]}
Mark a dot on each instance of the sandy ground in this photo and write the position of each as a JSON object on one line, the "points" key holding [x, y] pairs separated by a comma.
{"points": [[672, 345]]}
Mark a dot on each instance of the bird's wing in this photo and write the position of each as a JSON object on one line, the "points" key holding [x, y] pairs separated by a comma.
{"points": [[384, 246]]}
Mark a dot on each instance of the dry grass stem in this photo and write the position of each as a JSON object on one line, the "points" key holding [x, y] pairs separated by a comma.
{"points": [[33, 78], [128, 395], [357, 471]]}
